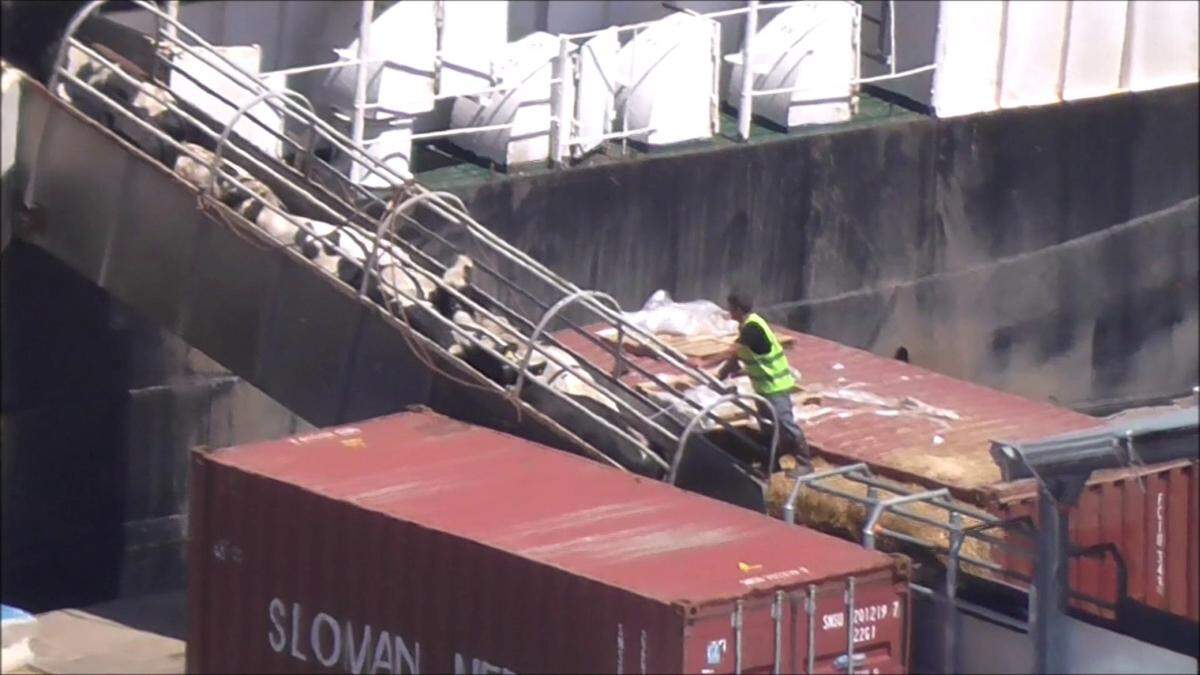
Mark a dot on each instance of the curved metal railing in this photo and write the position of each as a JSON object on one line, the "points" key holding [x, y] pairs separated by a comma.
{"points": [[350, 212]]}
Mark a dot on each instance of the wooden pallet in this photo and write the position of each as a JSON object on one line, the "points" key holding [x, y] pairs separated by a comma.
{"points": [[698, 351]]}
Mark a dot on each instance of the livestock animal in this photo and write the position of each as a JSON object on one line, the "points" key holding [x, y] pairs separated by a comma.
{"points": [[395, 283], [145, 100], [195, 170]]}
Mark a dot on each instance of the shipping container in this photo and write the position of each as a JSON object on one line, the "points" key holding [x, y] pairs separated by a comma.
{"points": [[1149, 515], [924, 428], [417, 543]]}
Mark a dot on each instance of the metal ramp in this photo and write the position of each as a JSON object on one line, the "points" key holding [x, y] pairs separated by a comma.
{"points": [[103, 196]]}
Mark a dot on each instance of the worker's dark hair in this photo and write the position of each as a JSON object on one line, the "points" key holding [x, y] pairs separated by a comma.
{"points": [[741, 301]]}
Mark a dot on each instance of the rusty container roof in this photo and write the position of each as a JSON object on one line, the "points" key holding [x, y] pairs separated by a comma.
{"points": [[558, 509], [901, 419]]}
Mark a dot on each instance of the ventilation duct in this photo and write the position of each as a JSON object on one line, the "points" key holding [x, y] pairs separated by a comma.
{"points": [[473, 32], [596, 89], [811, 49], [401, 46], [522, 74], [187, 70], [666, 81]]}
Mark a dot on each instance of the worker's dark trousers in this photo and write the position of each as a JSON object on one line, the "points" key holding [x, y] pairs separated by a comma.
{"points": [[791, 438]]}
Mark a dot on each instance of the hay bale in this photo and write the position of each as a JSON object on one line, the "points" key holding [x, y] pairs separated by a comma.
{"points": [[844, 518]]}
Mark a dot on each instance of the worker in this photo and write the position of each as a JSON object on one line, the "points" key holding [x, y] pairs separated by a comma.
{"points": [[761, 356]]}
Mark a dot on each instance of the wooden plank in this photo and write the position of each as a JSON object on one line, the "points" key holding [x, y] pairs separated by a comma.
{"points": [[697, 350]]}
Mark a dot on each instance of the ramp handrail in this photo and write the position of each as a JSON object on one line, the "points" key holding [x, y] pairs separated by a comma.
{"points": [[437, 202], [481, 233], [677, 460], [302, 225], [237, 115]]}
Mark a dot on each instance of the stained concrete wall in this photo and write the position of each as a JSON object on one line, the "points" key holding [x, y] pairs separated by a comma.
{"points": [[1049, 251], [99, 411]]}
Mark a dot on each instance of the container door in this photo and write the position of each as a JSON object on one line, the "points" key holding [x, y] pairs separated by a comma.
{"points": [[859, 626], [732, 638]]}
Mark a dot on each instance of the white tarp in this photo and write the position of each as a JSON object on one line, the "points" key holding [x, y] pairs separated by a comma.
{"points": [[661, 314]]}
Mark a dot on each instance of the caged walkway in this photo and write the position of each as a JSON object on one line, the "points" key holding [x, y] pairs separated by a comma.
{"points": [[262, 268]]}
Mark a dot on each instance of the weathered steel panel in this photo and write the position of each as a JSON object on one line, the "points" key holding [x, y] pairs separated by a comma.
{"points": [[1149, 514], [308, 339], [63, 168], [151, 252], [383, 374], [470, 547], [233, 287]]}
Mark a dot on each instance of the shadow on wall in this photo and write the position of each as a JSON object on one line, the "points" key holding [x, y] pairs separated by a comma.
{"points": [[99, 412], [1046, 251]]}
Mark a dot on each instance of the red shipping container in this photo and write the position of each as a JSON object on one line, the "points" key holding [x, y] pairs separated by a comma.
{"points": [[919, 426], [1148, 514], [416, 543]]}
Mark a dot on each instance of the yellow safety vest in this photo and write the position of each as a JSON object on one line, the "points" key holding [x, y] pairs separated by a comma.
{"points": [[769, 373]]}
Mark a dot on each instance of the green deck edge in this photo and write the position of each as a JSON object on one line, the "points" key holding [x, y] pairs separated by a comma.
{"points": [[456, 173]]}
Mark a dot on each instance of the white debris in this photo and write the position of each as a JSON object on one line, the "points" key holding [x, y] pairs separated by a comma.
{"points": [[838, 366], [938, 440], [926, 409]]}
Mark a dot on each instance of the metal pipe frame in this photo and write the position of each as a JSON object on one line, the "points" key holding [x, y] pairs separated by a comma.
{"points": [[978, 610], [307, 105], [581, 295], [737, 636], [810, 609], [592, 338], [543, 274], [687, 431], [850, 625], [304, 227], [777, 619], [856, 81], [285, 215], [239, 76], [850, 472], [195, 122], [366, 15], [249, 82], [545, 321], [238, 115], [746, 98], [868, 530], [789, 507]]}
